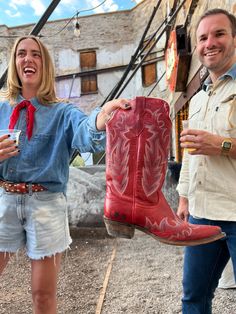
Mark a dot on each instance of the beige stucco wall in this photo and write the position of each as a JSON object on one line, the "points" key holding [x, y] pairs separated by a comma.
{"points": [[115, 37]]}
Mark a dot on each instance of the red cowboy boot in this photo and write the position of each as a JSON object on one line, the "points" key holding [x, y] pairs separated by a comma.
{"points": [[137, 151]]}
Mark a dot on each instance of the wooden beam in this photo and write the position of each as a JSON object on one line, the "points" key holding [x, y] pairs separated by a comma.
{"points": [[193, 86]]}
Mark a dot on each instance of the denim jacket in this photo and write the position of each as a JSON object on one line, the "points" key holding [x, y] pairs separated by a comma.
{"points": [[58, 130]]}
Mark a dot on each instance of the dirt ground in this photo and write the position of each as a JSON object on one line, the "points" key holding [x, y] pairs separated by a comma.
{"points": [[109, 276]]}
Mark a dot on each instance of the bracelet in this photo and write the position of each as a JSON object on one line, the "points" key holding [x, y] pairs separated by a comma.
{"points": [[106, 115]]}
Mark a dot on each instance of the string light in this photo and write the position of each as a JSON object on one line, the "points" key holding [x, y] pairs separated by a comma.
{"points": [[76, 30], [77, 26]]}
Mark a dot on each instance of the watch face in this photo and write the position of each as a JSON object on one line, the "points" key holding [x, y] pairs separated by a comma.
{"points": [[227, 145]]}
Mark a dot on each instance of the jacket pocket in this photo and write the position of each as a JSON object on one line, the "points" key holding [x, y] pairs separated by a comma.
{"points": [[224, 117], [38, 150]]}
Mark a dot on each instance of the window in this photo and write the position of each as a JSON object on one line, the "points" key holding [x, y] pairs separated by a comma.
{"points": [[181, 115], [149, 74], [88, 62], [149, 67], [89, 84]]}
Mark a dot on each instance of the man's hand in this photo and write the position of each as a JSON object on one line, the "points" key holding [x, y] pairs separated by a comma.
{"points": [[204, 143], [182, 210], [8, 148]]}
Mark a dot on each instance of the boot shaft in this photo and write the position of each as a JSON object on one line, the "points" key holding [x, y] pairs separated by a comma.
{"points": [[137, 149]]}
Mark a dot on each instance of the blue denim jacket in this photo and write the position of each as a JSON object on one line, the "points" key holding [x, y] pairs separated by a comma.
{"points": [[59, 129]]}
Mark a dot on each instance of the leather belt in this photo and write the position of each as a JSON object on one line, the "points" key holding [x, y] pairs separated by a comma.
{"points": [[22, 187]]}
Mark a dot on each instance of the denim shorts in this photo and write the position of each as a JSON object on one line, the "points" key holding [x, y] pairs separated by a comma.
{"points": [[37, 221]]}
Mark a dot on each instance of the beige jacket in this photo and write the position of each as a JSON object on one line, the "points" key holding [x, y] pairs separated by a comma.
{"points": [[209, 182]]}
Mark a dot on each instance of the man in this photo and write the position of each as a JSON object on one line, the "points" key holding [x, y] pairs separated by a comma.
{"points": [[207, 185]]}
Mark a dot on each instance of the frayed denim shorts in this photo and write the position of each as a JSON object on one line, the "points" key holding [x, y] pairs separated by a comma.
{"points": [[36, 221]]}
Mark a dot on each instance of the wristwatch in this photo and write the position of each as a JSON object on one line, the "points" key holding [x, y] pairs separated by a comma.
{"points": [[226, 146]]}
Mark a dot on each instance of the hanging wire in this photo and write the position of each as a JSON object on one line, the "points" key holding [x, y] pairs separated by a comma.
{"points": [[93, 7], [157, 82], [55, 34], [72, 18], [150, 49], [134, 57], [169, 19], [118, 89], [127, 70]]}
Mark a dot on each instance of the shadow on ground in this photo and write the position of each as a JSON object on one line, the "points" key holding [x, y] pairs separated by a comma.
{"points": [[104, 275]]}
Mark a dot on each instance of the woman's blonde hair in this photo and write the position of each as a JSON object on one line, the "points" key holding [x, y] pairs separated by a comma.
{"points": [[46, 93]]}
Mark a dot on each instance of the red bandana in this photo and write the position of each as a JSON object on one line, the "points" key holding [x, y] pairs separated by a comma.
{"points": [[29, 117]]}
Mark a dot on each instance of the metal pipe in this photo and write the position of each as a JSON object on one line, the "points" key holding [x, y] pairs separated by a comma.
{"points": [[134, 57], [157, 83], [150, 49]]}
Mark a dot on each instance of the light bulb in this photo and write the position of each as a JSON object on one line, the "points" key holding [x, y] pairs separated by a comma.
{"points": [[77, 29]]}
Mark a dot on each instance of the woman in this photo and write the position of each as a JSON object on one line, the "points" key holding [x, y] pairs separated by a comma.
{"points": [[34, 174]]}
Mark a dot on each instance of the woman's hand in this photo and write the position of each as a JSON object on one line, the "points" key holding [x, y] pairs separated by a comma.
{"points": [[105, 114], [8, 148]]}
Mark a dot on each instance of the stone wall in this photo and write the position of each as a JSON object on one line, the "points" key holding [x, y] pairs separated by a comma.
{"points": [[86, 194], [114, 36]]}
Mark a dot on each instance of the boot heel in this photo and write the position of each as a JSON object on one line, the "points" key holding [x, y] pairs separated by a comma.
{"points": [[119, 230]]}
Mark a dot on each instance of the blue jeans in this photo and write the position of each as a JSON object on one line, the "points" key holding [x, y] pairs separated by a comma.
{"points": [[203, 266]]}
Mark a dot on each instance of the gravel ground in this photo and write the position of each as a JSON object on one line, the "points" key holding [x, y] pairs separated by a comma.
{"points": [[138, 276]]}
